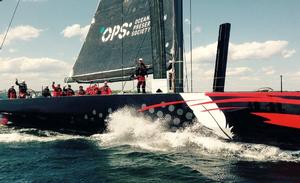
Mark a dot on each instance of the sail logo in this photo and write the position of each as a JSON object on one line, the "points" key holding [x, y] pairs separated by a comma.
{"points": [[129, 29]]}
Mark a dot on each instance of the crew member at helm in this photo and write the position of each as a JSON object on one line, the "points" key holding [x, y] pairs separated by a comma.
{"points": [[141, 74]]}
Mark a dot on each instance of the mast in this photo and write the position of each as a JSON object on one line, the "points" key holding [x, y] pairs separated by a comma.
{"points": [[221, 60], [158, 44], [178, 46]]}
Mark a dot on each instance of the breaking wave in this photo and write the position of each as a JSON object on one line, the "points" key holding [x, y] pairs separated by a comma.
{"points": [[127, 128]]}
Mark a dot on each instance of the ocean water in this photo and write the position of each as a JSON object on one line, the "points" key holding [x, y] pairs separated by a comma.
{"points": [[138, 150]]}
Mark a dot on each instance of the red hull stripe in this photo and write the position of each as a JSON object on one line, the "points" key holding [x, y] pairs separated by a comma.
{"points": [[161, 105], [254, 94], [286, 120], [165, 104], [246, 100]]}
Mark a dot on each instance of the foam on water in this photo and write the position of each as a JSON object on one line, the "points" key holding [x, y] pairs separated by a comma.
{"points": [[126, 127], [31, 135]]}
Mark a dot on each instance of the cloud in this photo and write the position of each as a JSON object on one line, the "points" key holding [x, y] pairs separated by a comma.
{"points": [[288, 53], [32, 65], [21, 33], [257, 50], [12, 50], [268, 70], [238, 71], [75, 31], [245, 51], [36, 71], [197, 30]]}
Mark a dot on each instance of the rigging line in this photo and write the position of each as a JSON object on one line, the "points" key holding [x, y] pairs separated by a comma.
{"points": [[10, 23], [191, 46], [185, 67], [122, 50]]}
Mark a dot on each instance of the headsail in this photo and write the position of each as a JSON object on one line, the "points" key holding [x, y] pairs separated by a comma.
{"points": [[120, 34]]}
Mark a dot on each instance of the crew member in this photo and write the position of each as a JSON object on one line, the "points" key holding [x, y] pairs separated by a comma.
{"points": [[105, 90], [81, 91], [141, 73], [46, 92], [92, 90], [68, 91], [12, 94], [57, 91], [22, 89]]}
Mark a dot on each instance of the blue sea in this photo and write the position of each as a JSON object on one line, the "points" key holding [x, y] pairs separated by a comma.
{"points": [[138, 150]]}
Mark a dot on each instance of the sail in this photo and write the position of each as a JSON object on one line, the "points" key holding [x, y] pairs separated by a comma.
{"points": [[120, 34]]}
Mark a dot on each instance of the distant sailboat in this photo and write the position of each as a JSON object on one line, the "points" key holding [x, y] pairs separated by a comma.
{"points": [[125, 30]]}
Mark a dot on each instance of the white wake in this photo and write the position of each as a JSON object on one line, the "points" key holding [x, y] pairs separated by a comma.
{"points": [[126, 127], [24, 136]]}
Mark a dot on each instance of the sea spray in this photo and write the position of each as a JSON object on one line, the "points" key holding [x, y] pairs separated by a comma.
{"points": [[126, 127]]}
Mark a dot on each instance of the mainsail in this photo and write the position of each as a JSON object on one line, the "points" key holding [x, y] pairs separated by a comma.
{"points": [[120, 34]]}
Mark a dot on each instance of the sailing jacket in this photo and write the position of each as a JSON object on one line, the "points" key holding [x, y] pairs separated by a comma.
{"points": [[105, 90], [57, 91]]}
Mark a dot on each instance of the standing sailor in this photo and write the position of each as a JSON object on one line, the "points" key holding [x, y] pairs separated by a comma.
{"points": [[141, 72], [12, 94], [22, 89], [57, 91]]}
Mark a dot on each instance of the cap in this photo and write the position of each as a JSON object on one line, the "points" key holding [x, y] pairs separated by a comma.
{"points": [[140, 58]]}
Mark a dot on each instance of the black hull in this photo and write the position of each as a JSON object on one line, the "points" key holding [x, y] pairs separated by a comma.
{"points": [[86, 115], [269, 118]]}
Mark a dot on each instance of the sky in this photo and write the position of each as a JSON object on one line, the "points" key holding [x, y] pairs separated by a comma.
{"points": [[46, 37]]}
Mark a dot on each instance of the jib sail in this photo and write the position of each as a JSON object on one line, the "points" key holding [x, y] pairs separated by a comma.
{"points": [[120, 34]]}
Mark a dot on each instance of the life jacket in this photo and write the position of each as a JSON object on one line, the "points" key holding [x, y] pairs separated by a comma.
{"points": [[105, 90]]}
